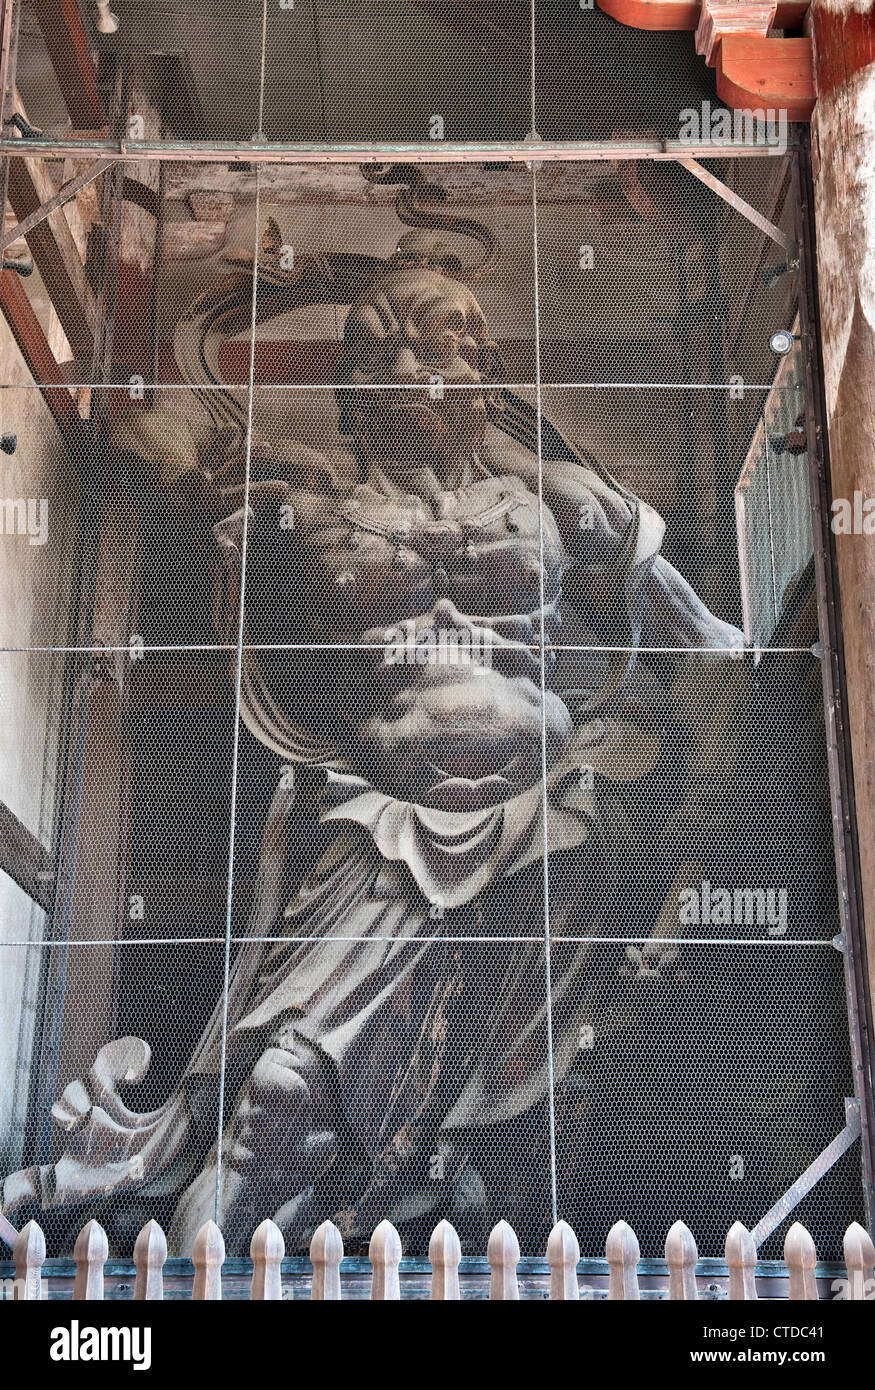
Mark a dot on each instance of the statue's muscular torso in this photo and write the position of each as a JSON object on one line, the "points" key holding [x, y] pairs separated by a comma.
{"points": [[437, 600]]}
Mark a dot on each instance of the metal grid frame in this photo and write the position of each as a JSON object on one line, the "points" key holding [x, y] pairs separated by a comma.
{"points": [[533, 153]]}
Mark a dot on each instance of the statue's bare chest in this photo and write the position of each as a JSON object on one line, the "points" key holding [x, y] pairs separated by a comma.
{"points": [[387, 558]]}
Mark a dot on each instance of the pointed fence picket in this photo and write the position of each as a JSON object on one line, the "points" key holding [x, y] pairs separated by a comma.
{"points": [[503, 1254], [445, 1256], [800, 1258], [623, 1253], [681, 1256], [150, 1253], [563, 1252], [208, 1256], [267, 1250], [741, 1257], [90, 1253], [385, 1256], [860, 1261], [326, 1253], [28, 1256]]}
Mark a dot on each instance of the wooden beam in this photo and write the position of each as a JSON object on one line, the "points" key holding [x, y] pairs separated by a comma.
{"points": [[843, 156], [36, 352], [717, 18], [653, 14], [25, 859], [767, 74], [684, 14], [63, 196], [70, 51], [56, 254]]}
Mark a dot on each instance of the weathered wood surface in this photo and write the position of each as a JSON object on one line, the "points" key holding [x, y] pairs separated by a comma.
{"points": [[29, 1257], [326, 1253], [266, 1250], [445, 1254], [843, 156], [563, 1253], [741, 1257], [150, 1255], [208, 1256], [681, 1256], [385, 1256], [860, 1261], [623, 1253], [90, 1252], [767, 74], [800, 1257], [503, 1254]]}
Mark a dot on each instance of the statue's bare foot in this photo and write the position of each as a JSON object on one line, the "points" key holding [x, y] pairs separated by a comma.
{"points": [[270, 1153]]}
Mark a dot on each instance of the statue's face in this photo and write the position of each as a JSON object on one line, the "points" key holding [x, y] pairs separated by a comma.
{"points": [[416, 327]]}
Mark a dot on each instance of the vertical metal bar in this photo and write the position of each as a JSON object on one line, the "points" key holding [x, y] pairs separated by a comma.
{"points": [[542, 639], [688, 492], [772, 565], [834, 683], [724, 481]]}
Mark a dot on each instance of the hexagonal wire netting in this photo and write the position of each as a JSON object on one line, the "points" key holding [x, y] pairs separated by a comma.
{"points": [[443, 790]]}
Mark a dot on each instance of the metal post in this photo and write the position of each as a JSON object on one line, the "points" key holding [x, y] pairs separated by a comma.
{"points": [[845, 833]]}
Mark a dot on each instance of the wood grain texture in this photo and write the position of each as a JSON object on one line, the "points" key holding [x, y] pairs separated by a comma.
{"points": [[150, 1253], [266, 1251], [800, 1257], [741, 1257], [767, 74], [90, 1253], [681, 1256], [29, 1254], [623, 1253], [503, 1254], [843, 159]]}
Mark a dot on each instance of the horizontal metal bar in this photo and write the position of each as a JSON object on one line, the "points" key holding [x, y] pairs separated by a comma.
{"points": [[440, 940], [428, 152], [531, 647], [63, 195], [332, 386]]}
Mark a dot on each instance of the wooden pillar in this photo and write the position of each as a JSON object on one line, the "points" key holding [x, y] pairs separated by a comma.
{"points": [[843, 164], [93, 862]]}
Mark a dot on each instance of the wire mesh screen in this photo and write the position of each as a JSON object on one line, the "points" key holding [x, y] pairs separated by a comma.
{"points": [[443, 826], [362, 70]]}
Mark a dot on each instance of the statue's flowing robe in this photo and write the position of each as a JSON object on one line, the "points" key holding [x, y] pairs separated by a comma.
{"points": [[380, 957]]}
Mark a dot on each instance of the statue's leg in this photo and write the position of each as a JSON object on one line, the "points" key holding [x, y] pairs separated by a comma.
{"points": [[273, 1148]]}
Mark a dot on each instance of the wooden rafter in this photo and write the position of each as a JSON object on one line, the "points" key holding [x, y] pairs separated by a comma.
{"points": [[755, 71], [685, 14], [70, 52], [55, 253], [25, 859], [768, 74], [35, 350]]}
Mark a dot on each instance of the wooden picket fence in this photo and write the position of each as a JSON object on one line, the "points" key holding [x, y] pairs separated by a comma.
{"points": [[267, 1250]]}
